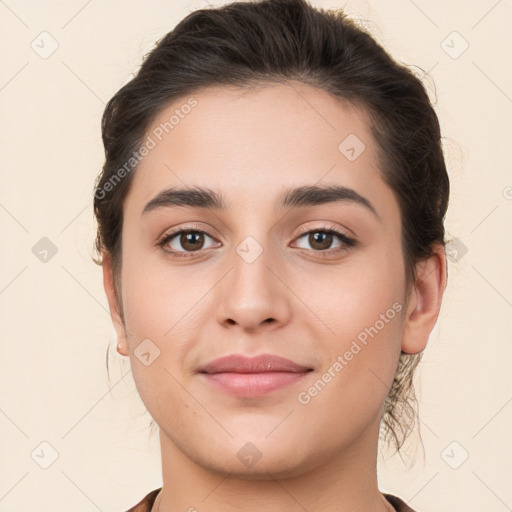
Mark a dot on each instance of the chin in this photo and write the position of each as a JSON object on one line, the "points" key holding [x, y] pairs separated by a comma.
{"points": [[250, 460], [262, 470]]}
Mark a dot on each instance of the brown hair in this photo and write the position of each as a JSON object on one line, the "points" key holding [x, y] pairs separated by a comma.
{"points": [[249, 43]]}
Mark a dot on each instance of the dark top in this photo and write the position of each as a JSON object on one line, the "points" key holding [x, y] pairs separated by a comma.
{"points": [[147, 502]]}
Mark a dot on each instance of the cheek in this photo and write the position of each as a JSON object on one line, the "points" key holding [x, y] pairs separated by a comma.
{"points": [[353, 295], [162, 311], [352, 384], [166, 309], [362, 305], [155, 296]]}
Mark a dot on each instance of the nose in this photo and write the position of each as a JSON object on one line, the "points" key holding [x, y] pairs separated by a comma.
{"points": [[253, 295]]}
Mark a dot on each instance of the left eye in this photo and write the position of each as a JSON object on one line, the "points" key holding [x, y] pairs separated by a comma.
{"points": [[322, 239]]}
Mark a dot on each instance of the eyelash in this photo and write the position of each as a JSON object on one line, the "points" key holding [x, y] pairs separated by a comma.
{"points": [[345, 239]]}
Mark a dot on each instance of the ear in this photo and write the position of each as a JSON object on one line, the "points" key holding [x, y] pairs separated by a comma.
{"points": [[425, 301], [113, 303]]}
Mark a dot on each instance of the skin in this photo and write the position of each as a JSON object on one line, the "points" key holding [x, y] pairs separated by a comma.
{"points": [[249, 145]]}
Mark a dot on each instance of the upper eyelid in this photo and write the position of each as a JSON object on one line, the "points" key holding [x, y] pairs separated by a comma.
{"points": [[331, 227], [302, 231]]}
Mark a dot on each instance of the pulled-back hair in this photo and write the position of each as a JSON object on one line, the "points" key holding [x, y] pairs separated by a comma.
{"points": [[246, 44]]}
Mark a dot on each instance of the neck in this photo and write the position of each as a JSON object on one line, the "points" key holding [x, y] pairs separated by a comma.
{"points": [[342, 482]]}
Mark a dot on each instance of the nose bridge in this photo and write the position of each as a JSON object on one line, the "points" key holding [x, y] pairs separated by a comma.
{"points": [[253, 243], [251, 260]]}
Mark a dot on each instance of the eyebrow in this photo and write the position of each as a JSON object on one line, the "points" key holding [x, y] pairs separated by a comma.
{"points": [[307, 195]]}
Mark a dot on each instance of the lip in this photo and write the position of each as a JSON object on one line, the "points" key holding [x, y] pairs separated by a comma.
{"points": [[253, 376], [237, 363]]}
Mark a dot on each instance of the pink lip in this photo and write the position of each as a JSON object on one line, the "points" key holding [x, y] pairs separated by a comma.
{"points": [[243, 376]]}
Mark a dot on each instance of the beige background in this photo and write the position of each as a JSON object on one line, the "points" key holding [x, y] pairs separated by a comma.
{"points": [[55, 325]]}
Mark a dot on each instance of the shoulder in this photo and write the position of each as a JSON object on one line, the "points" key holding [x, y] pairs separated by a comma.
{"points": [[399, 504], [146, 503]]}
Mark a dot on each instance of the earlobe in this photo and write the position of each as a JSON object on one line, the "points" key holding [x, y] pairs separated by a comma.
{"points": [[113, 303], [425, 301], [120, 349]]}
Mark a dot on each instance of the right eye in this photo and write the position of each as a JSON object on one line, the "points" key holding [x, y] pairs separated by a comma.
{"points": [[184, 241]]}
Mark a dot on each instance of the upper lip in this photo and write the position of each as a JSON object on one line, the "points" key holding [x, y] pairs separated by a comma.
{"points": [[236, 363]]}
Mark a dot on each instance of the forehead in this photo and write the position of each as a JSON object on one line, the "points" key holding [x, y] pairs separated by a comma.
{"points": [[253, 143]]}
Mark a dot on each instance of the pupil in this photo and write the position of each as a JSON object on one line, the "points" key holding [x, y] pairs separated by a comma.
{"points": [[189, 240], [321, 238]]}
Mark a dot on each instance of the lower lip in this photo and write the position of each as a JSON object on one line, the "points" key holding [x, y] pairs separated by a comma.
{"points": [[253, 384]]}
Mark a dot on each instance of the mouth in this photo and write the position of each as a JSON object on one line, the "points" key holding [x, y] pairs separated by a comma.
{"points": [[256, 376]]}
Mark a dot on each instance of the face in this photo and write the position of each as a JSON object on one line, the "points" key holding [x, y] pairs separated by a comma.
{"points": [[319, 280]]}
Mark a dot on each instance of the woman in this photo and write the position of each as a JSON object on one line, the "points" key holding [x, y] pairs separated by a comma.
{"points": [[270, 224]]}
